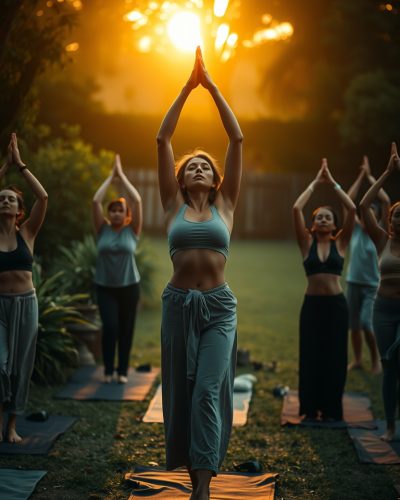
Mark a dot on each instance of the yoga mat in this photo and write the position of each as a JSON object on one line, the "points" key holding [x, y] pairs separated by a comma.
{"points": [[87, 384], [356, 412], [19, 484], [149, 482], [38, 437], [241, 402], [371, 449]]}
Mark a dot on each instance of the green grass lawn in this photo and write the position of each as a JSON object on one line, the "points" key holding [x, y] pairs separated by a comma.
{"points": [[90, 460]]}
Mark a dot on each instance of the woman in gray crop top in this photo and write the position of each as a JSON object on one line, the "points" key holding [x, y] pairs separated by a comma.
{"points": [[386, 317], [116, 276], [324, 315], [18, 302], [198, 331]]}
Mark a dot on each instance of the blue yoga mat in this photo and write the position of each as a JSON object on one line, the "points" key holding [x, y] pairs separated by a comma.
{"points": [[18, 484], [37, 437]]}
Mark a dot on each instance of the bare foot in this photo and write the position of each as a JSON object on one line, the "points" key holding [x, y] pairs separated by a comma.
{"points": [[12, 436], [122, 379], [376, 368], [355, 365], [388, 436]]}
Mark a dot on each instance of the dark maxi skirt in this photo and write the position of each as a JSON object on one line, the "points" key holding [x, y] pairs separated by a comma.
{"points": [[323, 355]]}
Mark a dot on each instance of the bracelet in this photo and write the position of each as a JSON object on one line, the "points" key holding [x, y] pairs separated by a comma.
{"points": [[21, 169], [337, 186]]}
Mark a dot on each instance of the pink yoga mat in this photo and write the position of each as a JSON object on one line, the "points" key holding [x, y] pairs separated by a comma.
{"points": [[356, 410], [241, 402]]}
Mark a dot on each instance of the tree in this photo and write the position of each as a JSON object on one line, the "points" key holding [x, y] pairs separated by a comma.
{"points": [[32, 34], [372, 110]]}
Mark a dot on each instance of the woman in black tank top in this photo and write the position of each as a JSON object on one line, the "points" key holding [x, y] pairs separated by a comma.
{"points": [[18, 303], [324, 316]]}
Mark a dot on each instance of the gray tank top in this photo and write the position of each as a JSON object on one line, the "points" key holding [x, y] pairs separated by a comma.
{"points": [[116, 264], [389, 264]]}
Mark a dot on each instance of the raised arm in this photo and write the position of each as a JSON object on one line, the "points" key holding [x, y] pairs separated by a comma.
{"points": [[233, 162], [6, 165], [97, 202], [355, 187], [378, 235], [384, 200], [303, 236], [166, 162], [133, 197], [349, 210], [36, 217]]}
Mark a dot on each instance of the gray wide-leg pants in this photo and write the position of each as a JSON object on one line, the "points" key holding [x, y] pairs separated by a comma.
{"points": [[198, 343], [18, 333]]}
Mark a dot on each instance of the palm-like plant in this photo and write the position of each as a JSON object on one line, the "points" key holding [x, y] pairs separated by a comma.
{"points": [[56, 349]]}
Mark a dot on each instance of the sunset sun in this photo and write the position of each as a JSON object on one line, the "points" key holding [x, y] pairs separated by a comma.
{"points": [[184, 31]]}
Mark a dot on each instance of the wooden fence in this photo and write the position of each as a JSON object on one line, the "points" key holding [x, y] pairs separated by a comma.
{"points": [[263, 211]]}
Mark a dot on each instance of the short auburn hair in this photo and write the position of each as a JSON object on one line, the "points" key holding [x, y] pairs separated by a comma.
{"points": [[333, 212], [121, 202], [182, 163]]}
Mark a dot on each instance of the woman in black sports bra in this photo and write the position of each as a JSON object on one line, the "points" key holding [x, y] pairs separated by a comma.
{"points": [[324, 315], [198, 331], [18, 303]]}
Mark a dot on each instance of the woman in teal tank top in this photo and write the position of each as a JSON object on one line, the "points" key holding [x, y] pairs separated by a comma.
{"points": [[198, 331], [117, 277]]}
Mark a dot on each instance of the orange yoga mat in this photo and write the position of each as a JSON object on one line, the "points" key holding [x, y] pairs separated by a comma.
{"points": [[356, 410], [241, 403], [148, 482]]}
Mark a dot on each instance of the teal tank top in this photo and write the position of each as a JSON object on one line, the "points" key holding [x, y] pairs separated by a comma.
{"points": [[116, 264], [363, 266], [211, 234]]}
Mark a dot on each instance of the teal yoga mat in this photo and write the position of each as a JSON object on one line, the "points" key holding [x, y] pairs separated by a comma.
{"points": [[18, 484]]}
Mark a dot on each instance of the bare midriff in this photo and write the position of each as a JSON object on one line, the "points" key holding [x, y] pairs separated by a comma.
{"points": [[198, 269], [324, 284], [15, 282], [390, 287]]}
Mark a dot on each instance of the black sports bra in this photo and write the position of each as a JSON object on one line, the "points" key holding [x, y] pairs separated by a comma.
{"points": [[19, 259], [333, 264]]}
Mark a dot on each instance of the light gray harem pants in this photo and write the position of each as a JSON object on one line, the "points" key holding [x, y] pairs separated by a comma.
{"points": [[18, 333], [198, 344]]}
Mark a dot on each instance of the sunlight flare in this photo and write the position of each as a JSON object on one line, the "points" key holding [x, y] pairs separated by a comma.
{"points": [[184, 31]]}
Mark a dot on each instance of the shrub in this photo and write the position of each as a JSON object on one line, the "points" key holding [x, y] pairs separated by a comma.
{"points": [[55, 350]]}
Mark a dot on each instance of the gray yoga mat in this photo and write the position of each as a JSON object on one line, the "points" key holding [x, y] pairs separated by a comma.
{"points": [[18, 484], [38, 437], [87, 384], [151, 482], [241, 403], [356, 413], [371, 449]]}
